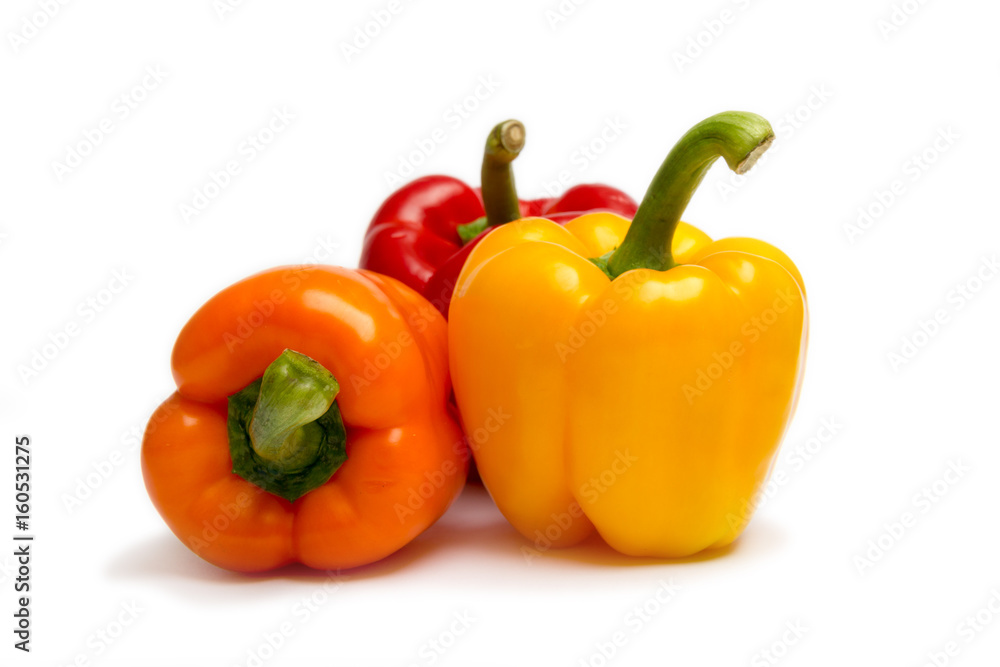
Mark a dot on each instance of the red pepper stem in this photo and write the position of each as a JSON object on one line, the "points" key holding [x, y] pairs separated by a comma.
{"points": [[499, 194], [285, 431], [739, 137]]}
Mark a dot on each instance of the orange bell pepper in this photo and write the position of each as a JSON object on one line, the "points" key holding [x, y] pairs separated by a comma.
{"points": [[259, 460], [650, 372]]}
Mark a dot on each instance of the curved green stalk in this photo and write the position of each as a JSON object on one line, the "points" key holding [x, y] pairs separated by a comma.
{"points": [[739, 137], [503, 145]]}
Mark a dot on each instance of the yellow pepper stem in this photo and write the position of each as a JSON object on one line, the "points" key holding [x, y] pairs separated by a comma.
{"points": [[738, 136]]}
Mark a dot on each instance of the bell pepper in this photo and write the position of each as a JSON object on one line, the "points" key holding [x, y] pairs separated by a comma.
{"points": [[649, 372], [310, 422], [424, 231]]}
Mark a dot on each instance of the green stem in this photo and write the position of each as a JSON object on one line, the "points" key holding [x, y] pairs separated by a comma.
{"points": [[499, 194], [285, 431], [739, 137]]}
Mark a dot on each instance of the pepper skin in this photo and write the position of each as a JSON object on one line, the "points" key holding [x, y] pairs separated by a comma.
{"points": [[414, 236], [649, 385], [406, 459]]}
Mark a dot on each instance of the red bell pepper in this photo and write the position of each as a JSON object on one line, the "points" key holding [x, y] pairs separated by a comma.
{"points": [[424, 231]]}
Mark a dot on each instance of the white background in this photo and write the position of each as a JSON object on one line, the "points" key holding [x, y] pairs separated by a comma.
{"points": [[885, 98]]}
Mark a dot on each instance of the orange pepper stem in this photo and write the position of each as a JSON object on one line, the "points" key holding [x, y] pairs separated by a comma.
{"points": [[503, 145], [739, 137], [285, 431]]}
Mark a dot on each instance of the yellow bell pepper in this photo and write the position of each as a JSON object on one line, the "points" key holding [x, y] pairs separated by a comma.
{"points": [[649, 372]]}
